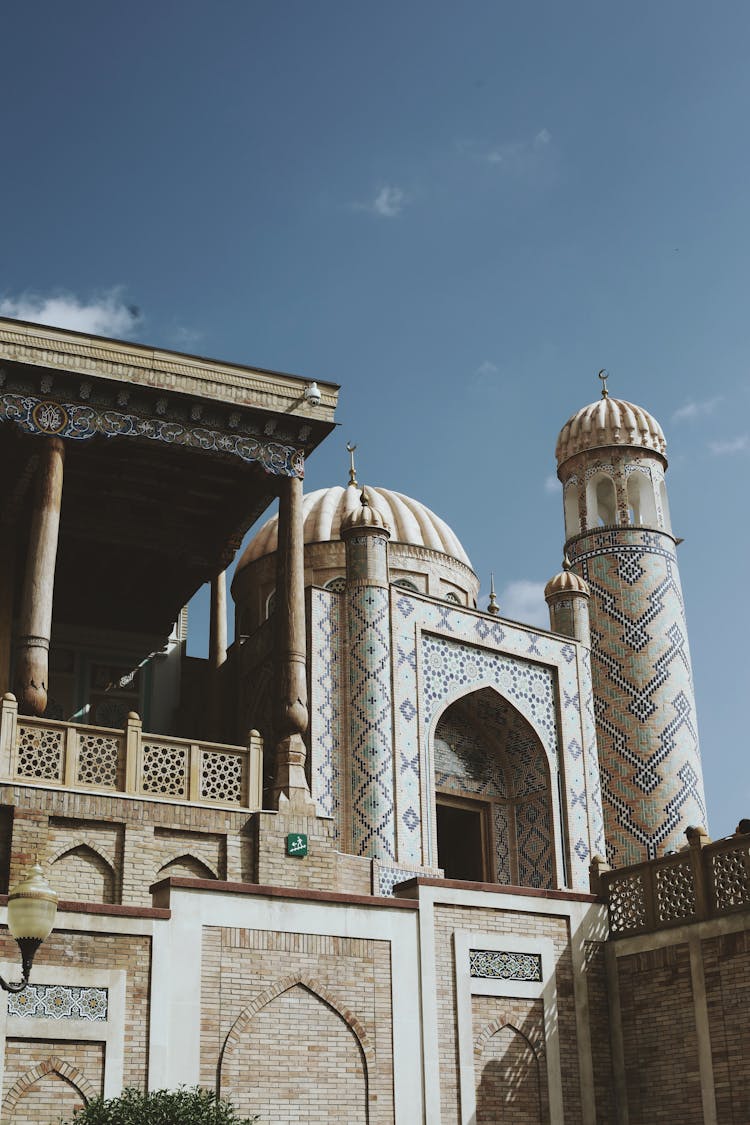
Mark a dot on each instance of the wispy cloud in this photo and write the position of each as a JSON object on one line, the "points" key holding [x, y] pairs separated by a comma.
{"points": [[486, 370], [515, 157], [524, 601], [388, 202], [693, 409], [551, 484], [184, 338], [732, 445], [105, 315]]}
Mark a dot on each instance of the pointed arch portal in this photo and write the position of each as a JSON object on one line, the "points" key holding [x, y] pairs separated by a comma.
{"points": [[493, 794]]}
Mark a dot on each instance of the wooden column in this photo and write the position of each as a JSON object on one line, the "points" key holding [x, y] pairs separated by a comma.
{"points": [[217, 653], [290, 788], [7, 578], [35, 624]]}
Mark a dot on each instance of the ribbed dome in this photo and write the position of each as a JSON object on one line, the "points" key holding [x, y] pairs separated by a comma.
{"points": [[368, 516], [323, 512], [566, 582], [609, 421]]}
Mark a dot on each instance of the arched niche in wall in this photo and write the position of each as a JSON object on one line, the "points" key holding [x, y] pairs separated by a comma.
{"points": [[509, 1079], [313, 1078], [493, 794], [84, 874]]}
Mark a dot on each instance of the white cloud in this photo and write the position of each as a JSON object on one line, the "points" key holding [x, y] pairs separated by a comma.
{"points": [[733, 445], [694, 409], [388, 202], [106, 315], [551, 484], [486, 370], [515, 156], [524, 601]]}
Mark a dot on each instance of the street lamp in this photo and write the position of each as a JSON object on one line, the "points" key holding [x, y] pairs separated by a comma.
{"points": [[31, 914]]}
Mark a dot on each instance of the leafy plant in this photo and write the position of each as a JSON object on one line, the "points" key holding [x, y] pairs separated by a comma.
{"points": [[186, 1106]]}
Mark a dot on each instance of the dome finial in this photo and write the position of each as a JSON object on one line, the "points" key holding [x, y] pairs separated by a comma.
{"points": [[493, 607], [352, 471], [604, 375]]}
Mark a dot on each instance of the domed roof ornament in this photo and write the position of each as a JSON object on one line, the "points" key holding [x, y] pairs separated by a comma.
{"points": [[352, 471], [367, 518], [604, 375], [609, 422], [492, 606]]}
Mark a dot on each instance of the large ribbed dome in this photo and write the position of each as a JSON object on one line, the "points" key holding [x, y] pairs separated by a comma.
{"points": [[323, 512], [609, 421]]}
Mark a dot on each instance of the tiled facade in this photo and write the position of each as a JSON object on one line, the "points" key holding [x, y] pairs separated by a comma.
{"points": [[652, 785]]}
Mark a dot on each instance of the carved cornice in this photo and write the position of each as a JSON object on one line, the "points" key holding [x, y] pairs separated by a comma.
{"points": [[58, 349]]}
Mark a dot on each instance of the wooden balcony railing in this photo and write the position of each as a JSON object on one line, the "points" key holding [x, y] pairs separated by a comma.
{"points": [[704, 880], [73, 756]]}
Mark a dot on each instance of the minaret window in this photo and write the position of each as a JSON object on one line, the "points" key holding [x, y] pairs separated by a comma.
{"points": [[601, 501], [641, 499]]}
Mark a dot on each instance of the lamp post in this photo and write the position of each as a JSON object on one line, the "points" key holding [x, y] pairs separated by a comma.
{"points": [[31, 914]]}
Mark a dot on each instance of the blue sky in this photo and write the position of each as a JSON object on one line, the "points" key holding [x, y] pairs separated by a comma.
{"points": [[460, 212]]}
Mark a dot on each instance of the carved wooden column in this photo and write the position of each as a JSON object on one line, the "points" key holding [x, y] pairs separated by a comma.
{"points": [[217, 653], [290, 789], [35, 624], [7, 577]]}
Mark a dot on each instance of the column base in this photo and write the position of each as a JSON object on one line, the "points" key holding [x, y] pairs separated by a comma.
{"points": [[291, 792]]}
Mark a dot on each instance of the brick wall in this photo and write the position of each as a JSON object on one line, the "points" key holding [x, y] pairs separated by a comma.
{"points": [[510, 1064], [47, 1080], [298, 1025], [726, 965], [596, 983], [450, 918], [108, 952], [660, 1049]]}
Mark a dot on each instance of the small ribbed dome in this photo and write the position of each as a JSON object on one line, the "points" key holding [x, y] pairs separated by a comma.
{"points": [[609, 421], [324, 511], [368, 515], [566, 582]]}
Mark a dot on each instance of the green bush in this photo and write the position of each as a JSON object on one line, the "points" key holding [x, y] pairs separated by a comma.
{"points": [[192, 1106]]}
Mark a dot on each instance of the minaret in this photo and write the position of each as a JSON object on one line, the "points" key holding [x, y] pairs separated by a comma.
{"points": [[611, 462], [366, 535]]}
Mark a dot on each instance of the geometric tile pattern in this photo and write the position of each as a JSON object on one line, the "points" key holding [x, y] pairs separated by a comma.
{"points": [[538, 674], [371, 722], [59, 1002], [325, 705], [491, 964], [484, 746], [645, 708]]}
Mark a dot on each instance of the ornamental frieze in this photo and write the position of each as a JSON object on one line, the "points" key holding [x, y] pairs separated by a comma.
{"points": [[79, 422]]}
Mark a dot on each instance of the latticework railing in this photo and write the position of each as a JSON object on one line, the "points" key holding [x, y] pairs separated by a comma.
{"points": [[703, 880], [72, 755]]}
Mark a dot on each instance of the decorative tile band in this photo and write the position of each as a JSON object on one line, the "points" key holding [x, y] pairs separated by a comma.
{"points": [[492, 964], [78, 423], [59, 1002]]}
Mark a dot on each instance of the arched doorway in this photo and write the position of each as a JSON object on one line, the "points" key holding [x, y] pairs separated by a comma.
{"points": [[493, 794]]}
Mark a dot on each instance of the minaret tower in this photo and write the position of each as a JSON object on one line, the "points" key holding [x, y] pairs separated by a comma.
{"points": [[611, 462]]}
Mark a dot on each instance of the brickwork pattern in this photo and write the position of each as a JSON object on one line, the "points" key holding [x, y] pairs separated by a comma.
{"points": [[106, 952], [451, 918], [645, 707], [656, 1002], [321, 1003], [596, 984], [108, 849], [726, 965], [509, 1064], [46, 1081]]}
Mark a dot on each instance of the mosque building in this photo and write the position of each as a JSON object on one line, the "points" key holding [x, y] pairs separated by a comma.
{"points": [[387, 858]]}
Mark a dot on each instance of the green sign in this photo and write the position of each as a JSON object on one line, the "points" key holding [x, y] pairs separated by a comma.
{"points": [[296, 844]]}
